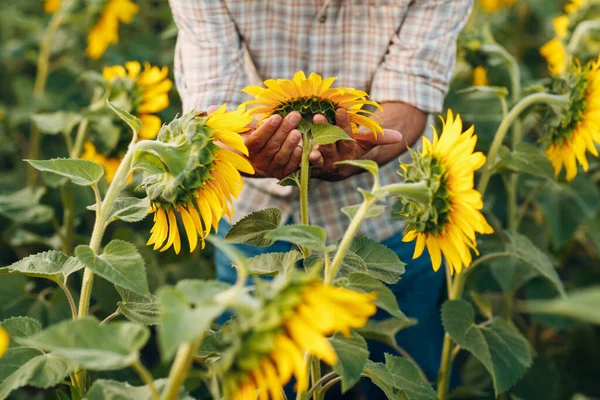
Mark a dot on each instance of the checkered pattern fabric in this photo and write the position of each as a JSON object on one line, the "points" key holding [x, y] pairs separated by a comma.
{"points": [[396, 50]]}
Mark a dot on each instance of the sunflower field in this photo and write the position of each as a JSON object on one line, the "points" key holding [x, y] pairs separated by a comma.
{"points": [[110, 197]]}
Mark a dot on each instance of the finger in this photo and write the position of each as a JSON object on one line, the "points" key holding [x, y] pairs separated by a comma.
{"points": [[282, 157], [365, 137], [259, 138], [320, 119], [212, 109], [276, 141], [343, 121], [316, 158], [294, 163], [327, 150]]}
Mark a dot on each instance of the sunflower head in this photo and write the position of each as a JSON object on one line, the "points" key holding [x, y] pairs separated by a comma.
{"points": [[51, 6], [577, 131], [311, 96], [447, 225], [296, 315], [106, 30], [187, 174], [4, 341]]}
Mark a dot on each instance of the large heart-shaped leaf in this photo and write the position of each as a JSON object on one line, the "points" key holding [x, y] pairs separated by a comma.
{"points": [[80, 172], [252, 228], [52, 265]]}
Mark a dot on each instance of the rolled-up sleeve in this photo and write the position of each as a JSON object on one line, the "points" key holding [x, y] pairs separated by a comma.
{"points": [[209, 60], [420, 60]]}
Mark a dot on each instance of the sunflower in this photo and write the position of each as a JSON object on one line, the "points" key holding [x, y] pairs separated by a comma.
{"points": [[449, 223], [294, 322], [310, 96], [198, 179], [106, 30], [51, 6], [4, 341], [495, 5], [148, 90], [480, 76], [579, 129]]}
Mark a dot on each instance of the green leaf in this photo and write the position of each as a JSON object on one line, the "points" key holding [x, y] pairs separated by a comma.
{"points": [[510, 273], [128, 209], [327, 134], [407, 378], [304, 126], [292, 179], [373, 211], [273, 263], [23, 206], [521, 248], [386, 330], [566, 206], [310, 236], [20, 327], [148, 162], [80, 172], [385, 298], [528, 159], [504, 352], [129, 119], [120, 264], [383, 378], [352, 356], [183, 320], [201, 291], [112, 390], [252, 228], [499, 91], [23, 366], [52, 265], [139, 309], [368, 165], [56, 122], [382, 263], [94, 346], [235, 255], [582, 304]]}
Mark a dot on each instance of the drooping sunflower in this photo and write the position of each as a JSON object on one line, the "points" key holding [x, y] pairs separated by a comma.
{"points": [[310, 96], [448, 225], [147, 92], [270, 349], [495, 5], [191, 177], [106, 30], [51, 6], [4, 341], [579, 129]]}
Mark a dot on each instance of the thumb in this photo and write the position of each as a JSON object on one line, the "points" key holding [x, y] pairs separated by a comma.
{"points": [[366, 137], [212, 109]]}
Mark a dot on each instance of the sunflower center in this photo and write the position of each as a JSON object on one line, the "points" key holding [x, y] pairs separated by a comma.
{"points": [[308, 107]]}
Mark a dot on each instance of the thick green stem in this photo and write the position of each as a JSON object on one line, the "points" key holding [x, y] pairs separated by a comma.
{"points": [[582, 30], [507, 123], [147, 378], [315, 373], [39, 87], [79, 139], [304, 180], [443, 380], [180, 368]]}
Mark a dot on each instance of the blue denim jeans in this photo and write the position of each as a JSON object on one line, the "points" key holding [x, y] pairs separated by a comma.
{"points": [[418, 293]]}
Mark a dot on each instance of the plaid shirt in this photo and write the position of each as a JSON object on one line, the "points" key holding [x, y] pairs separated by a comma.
{"points": [[396, 50]]}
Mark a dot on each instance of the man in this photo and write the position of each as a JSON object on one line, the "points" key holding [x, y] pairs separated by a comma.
{"points": [[402, 52]]}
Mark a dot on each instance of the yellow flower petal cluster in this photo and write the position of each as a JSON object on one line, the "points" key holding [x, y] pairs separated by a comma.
{"points": [[202, 207], [449, 225], [310, 96], [110, 164], [480, 76], [151, 94], [579, 132], [318, 310], [554, 51], [495, 5], [4, 341], [51, 6], [106, 30]]}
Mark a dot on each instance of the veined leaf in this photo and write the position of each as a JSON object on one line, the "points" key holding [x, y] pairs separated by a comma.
{"points": [[407, 378], [273, 263], [385, 298], [56, 122], [310, 236], [583, 305], [327, 134], [129, 119], [52, 265], [80, 172], [528, 159], [94, 346], [140, 309], [352, 356], [386, 330], [253, 228], [373, 211], [23, 206], [128, 209], [382, 263], [120, 264], [112, 390]]}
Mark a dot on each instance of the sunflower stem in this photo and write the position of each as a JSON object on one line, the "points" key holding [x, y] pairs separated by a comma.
{"points": [[456, 288], [315, 372], [304, 178], [582, 30], [147, 378], [39, 86], [180, 368], [507, 122], [80, 138]]}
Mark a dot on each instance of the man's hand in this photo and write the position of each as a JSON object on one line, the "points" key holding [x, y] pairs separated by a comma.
{"points": [[273, 147], [324, 158]]}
